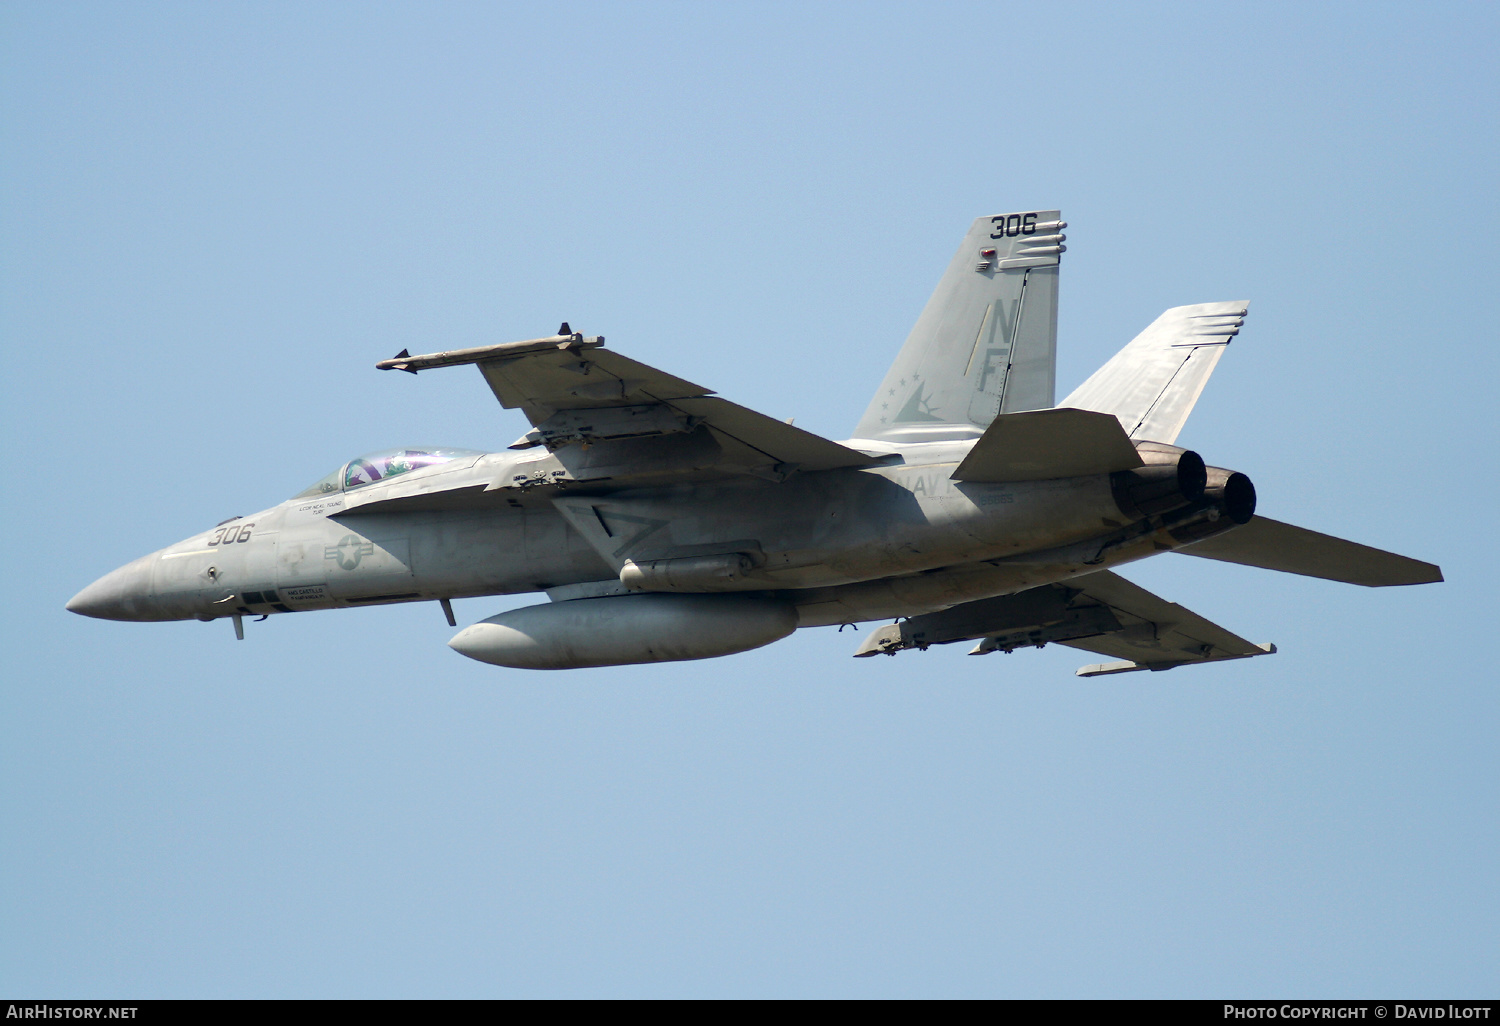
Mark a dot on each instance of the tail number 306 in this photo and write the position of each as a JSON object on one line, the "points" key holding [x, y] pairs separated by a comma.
{"points": [[1012, 225]]}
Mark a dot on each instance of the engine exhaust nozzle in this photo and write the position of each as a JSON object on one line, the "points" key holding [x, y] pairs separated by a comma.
{"points": [[1172, 478], [1236, 496], [1228, 501]]}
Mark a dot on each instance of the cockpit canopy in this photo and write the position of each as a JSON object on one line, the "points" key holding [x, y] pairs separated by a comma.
{"points": [[377, 466]]}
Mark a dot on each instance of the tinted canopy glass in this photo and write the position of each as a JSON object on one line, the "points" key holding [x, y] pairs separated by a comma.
{"points": [[378, 466]]}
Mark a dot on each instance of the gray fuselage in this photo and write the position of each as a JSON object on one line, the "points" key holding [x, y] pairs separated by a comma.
{"points": [[841, 545]]}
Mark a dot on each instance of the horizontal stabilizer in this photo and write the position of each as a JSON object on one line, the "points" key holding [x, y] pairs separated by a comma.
{"points": [[1272, 545], [1048, 443], [1153, 383]]}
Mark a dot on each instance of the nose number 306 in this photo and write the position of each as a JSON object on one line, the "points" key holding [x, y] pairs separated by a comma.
{"points": [[231, 533]]}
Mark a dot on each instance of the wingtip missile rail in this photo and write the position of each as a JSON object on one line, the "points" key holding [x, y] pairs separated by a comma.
{"points": [[404, 361]]}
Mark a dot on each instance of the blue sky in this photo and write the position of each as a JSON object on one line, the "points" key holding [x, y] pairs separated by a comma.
{"points": [[217, 217]]}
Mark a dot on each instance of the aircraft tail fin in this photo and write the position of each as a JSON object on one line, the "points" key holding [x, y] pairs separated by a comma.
{"points": [[986, 342], [1272, 545], [1153, 383]]}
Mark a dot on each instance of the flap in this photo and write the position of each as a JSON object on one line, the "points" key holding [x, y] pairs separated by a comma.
{"points": [[773, 440], [1048, 443]]}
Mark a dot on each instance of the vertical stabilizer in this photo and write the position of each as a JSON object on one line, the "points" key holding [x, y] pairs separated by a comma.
{"points": [[1153, 383], [986, 342]]}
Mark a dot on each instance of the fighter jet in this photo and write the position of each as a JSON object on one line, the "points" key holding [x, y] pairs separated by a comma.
{"points": [[663, 522]]}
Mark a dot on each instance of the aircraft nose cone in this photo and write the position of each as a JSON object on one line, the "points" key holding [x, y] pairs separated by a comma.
{"points": [[119, 595]]}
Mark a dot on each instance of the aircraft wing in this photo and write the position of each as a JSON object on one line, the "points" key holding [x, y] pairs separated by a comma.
{"points": [[605, 415], [1155, 634], [1101, 613]]}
